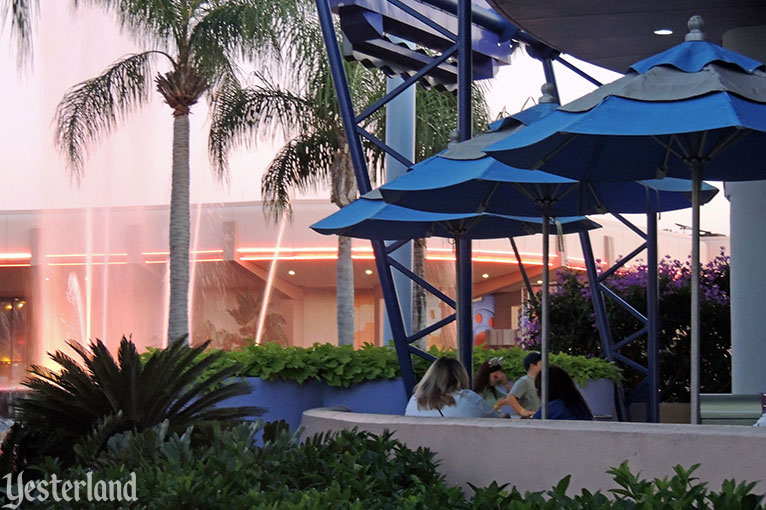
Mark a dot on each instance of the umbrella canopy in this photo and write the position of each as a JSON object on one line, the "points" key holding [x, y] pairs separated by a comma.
{"points": [[370, 217], [697, 103], [441, 183], [463, 178], [696, 110]]}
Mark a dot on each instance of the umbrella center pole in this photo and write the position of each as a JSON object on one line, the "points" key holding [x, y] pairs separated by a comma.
{"points": [[464, 310], [545, 319], [696, 169]]}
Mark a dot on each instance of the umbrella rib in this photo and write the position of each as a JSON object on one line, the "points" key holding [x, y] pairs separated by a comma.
{"points": [[701, 147], [485, 203], [571, 187], [547, 157], [721, 145], [524, 191], [599, 204], [668, 146]]}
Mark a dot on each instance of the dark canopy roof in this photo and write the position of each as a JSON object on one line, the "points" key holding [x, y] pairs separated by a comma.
{"points": [[617, 33]]}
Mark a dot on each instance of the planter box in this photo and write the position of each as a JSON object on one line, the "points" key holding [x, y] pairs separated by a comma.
{"points": [[385, 396], [287, 399], [282, 399], [599, 394]]}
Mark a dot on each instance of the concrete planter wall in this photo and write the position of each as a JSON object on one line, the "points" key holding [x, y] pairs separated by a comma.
{"points": [[287, 399]]}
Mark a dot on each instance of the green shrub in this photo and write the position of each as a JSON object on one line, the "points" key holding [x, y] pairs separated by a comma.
{"points": [[346, 470], [343, 365], [102, 396], [573, 325]]}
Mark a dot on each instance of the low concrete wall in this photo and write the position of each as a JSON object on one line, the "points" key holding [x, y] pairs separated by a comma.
{"points": [[535, 455]]}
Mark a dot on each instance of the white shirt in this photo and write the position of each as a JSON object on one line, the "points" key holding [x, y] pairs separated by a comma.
{"points": [[467, 405]]}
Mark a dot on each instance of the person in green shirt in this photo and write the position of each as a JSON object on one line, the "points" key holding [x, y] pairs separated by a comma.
{"points": [[523, 398]]}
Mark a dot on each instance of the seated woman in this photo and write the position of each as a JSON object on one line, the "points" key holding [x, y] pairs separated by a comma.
{"points": [[491, 382], [443, 391], [565, 402]]}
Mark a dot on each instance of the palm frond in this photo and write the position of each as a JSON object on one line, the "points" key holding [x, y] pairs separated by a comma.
{"points": [[240, 117], [237, 28], [93, 108], [20, 14], [302, 164], [102, 395], [148, 21]]}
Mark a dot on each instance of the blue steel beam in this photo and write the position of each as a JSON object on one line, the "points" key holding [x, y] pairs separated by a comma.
{"points": [[430, 329], [650, 320], [463, 246], [523, 270], [627, 306], [620, 263], [420, 281], [653, 316], [627, 341], [384, 147], [363, 183], [406, 84], [578, 71], [602, 322]]}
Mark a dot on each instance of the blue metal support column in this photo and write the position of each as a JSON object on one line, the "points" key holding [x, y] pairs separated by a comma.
{"points": [[463, 247], [650, 322], [400, 135], [363, 182], [464, 280], [602, 323], [550, 77], [653, 316]]}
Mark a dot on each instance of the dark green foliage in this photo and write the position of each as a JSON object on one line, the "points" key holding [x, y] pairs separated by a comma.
{"points": [[344, 365], [346, 470], [573, 328], [98, 397]]}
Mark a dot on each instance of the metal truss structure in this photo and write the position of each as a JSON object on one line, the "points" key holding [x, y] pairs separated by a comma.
{"points": [[450, 43]]}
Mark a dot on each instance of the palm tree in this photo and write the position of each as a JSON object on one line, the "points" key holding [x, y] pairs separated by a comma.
{"points": [[316, 151], [20, 14], [198, 41]]}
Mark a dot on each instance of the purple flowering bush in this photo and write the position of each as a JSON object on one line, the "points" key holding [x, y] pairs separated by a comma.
{"points": [[573, 323]]}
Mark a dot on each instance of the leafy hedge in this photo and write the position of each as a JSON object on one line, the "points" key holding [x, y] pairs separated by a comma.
{"points": [[348, 470], [343, 365], [573, 325]]}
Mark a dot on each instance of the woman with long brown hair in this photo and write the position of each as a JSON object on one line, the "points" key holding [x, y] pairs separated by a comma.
{"points": [[443, 391]]}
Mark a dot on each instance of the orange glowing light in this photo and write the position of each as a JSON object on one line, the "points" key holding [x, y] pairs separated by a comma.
{"points": [[15, 256], [71, 255], [120, 263], [15, 265]]}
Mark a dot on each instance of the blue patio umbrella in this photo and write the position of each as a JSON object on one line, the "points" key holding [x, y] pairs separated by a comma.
{"points": [[696, 110], [464, 179], [369, 217]]}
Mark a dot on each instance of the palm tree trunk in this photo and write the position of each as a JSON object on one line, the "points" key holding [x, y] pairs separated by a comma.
{"points": [[418, 292], [345, 292], [180, 228]]}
